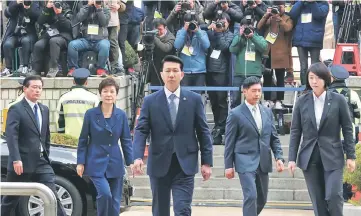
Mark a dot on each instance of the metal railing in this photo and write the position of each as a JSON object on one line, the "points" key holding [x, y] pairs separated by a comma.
{"points": [[31, 189]]}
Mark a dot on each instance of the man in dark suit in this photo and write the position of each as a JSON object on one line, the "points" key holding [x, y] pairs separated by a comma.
{"points": [[176, 122], [28, 139], [250, 137]]}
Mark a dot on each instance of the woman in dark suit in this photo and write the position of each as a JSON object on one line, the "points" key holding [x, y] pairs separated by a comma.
{"points": [[99, 154], [319, 116]]}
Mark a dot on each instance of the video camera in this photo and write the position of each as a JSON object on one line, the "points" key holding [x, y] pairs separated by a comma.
{"points": [[219, 21], [185, 5], [148, 39]]}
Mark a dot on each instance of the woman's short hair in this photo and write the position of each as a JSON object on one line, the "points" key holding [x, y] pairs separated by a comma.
{"points": [[320, 70], [108, 82]]}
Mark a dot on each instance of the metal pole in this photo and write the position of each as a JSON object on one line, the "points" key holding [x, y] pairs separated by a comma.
{"points": [[31, 189]]}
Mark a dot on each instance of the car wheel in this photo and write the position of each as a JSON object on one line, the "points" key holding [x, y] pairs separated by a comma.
{"points": [[68, 194]]}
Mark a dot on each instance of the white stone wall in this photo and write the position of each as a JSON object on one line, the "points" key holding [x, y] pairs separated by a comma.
{"points": [[54, 88]]}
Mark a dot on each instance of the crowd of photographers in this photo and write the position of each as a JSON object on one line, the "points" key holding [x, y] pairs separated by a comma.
{"points": [[220, 42], [56, 30]]}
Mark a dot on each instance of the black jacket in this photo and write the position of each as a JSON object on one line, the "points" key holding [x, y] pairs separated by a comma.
{"points": [[234, 12], [23, 136], [57, 21], [220, 41]]}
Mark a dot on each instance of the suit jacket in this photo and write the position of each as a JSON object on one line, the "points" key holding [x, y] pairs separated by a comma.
{"points": [[191, 127], [245, 146], [334, 117], [23, 136], [98, 147]]}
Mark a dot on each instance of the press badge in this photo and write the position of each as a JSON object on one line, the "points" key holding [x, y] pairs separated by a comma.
{"points": [[52, 32], [93, 29], [157, 15], [27, 20], [306, 18], [271, 37], [215, 54], [288, 8], [186, 51], [250, 56]]}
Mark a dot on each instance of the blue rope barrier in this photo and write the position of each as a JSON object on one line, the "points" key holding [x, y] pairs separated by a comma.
{"points": [[204, 88]]}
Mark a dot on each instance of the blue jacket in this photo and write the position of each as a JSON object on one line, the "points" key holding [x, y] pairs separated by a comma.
{"points": [[98, 147], [196, 63], [190, 129], [309, 34]]}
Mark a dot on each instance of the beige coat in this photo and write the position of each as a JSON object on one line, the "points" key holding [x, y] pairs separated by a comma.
{"points": [[281, 50]]}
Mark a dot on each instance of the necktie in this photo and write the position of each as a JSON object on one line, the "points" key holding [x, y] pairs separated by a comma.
{"points": [[172, 108], [36, 116], [257, 118]]}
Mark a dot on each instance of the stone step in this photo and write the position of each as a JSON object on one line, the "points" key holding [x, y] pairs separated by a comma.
{"points": [[274, 195], [218, 172], [224, 183]]}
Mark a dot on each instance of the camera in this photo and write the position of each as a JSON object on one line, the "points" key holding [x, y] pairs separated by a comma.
{"points": [[219, 21], [223, 2], [275, 10], [248, 30], [57, 4], [98, 2], [193, 24], [27, 3], [185, 5], [148, 39], [250, 3]]}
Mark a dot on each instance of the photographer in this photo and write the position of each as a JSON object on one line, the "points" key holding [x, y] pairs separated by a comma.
{"points": [[255, 8], [233, 11], [309, 20], [278, 33], [163, 45], [20, 32], [95, 19], [218, 60], [175, 19], [249, 47], [192, 43], [56, 33]]}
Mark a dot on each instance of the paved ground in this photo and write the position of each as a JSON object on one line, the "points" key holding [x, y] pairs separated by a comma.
{"points": [[216, 211]]}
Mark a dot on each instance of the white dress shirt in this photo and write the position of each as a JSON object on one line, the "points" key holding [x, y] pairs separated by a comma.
{"points": [[177, 94], [319, 103], [256, 116], [32, 104]]}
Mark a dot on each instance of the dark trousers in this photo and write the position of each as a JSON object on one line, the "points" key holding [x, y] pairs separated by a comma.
{"points": [[122, 37], [268, 80], [41, 49], [43, 174], [26, 42], [109, 195], [255, 191], [133, 35], [180, 184], [324, 187], [194, 79], [114, 46], [303, 56], [218, 99]]}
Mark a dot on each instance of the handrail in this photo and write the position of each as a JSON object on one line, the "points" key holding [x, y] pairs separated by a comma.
{"points": [[31, 189], [207, 88]]}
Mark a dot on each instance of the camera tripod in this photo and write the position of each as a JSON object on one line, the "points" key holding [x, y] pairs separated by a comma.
{"points": [[141, 80]]}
